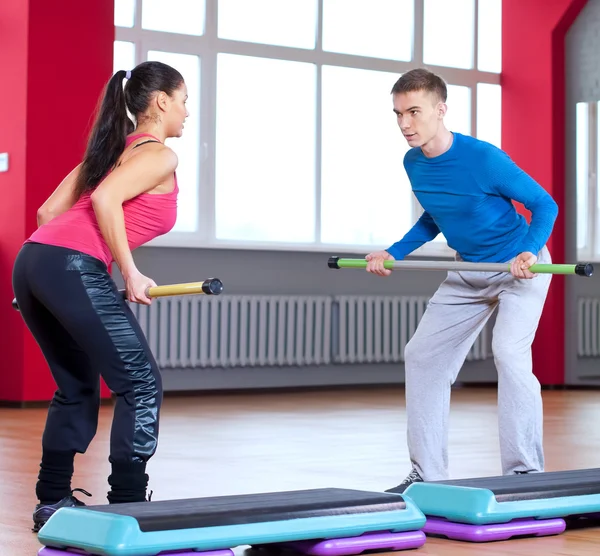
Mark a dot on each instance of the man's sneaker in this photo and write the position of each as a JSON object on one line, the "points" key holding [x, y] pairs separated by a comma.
{"points": [[43, 512], [413, 477]]}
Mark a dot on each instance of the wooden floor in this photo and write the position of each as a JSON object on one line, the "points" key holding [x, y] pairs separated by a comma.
{"points": [[234, 444]]}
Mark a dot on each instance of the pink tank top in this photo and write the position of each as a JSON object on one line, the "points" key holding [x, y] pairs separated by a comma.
{"points": [[146, 216]]}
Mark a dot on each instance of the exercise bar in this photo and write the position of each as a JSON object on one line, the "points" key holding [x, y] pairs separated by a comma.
{"points": [[211, 286], [579, 269]]}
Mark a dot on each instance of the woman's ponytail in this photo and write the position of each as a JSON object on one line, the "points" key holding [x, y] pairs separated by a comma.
{"points": [[107, 138]]}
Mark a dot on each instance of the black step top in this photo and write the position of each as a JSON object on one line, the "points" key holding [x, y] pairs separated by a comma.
{"points": [[252, 508]]}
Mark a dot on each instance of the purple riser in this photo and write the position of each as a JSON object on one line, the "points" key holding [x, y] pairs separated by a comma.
{"points": [[355, 545], [47, 551], [494, 531]]}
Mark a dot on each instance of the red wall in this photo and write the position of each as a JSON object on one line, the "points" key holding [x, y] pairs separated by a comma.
{"points": [[13, 116], [54, 63], [533, 134]]}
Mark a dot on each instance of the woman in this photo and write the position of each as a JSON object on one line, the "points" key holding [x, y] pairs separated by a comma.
{"points": [[123, 194]]}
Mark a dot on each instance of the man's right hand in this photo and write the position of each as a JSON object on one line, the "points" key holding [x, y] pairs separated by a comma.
{"points": [[375, 263]]}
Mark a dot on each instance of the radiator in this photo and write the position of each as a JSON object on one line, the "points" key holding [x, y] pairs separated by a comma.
{"points": [[588, 327], [376, 329], [261, 331], [237, 331]]}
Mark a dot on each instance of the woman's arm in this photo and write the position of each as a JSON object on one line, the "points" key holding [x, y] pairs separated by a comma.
{"points": [[61, 200], [141, 173]]}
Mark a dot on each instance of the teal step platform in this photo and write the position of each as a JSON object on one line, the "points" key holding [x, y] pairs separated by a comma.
{"points": [[204, 524], [486, 500]]}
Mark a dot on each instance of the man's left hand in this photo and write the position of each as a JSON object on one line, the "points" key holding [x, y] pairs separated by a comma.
{"points": [[520, 266]]}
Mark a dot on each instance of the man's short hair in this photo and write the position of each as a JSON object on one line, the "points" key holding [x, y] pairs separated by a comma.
{"points": [[421, 80]]}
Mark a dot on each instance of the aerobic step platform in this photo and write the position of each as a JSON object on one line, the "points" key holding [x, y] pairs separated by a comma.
{"points": [[348, 546], [221, 523], [495, 531], [507, 501]]}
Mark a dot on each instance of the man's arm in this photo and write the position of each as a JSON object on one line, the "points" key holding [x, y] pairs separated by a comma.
{"points": [[501, 176], [424, 230]]}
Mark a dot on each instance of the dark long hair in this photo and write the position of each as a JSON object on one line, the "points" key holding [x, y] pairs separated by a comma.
{"points": [[113, 124]]}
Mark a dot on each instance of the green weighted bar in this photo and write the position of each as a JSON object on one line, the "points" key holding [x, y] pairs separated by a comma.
{"points": [[578, 269]]}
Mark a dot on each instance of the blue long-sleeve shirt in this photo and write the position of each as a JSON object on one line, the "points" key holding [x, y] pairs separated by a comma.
{"points": [[466, 194]]}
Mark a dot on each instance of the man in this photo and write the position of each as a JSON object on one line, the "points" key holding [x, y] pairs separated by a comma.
{"points": [[466, 187]]}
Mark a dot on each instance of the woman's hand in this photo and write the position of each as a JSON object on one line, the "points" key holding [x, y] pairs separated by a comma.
{"points": [[136, 285]]}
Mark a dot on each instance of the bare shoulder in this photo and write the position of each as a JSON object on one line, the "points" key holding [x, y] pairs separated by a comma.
{"points": [[151, 166], [154, 155], [170, 156]]}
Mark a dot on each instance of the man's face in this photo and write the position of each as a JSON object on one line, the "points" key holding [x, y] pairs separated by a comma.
{"points": [[419, 114]]}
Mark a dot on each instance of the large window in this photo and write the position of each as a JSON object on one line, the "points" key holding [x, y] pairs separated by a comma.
{"points": [[291, 141], [587, 148], [265, 153]]}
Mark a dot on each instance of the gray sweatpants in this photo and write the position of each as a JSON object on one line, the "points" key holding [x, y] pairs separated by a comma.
{"points": [[435, 354]]}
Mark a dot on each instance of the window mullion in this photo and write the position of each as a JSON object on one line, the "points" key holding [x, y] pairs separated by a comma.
{"points": [[319, 128], [592, 178], [475, 63], [418, 41], [475, 34], [418, 32], [208, 127]]}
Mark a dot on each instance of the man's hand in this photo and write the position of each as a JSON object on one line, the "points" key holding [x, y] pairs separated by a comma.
{"points": [[520, 266], [375, 263]]}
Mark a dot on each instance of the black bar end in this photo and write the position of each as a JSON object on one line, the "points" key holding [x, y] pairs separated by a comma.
{"points": [[15, 304], [333, 262], [212, 286], [584, 269]]}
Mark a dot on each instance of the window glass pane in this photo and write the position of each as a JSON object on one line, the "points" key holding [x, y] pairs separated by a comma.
{"points": [[265, 150], [124, 13], [458, 116], [582, 169], [448, 33], [379, 28], [489, 36], [489, 113], [174, 16], [281, 22], [123, 56], [187, 146], [366, 196]]}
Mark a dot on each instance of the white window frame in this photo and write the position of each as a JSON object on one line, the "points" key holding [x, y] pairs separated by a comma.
{"points": [[591, 248], [208, 45]]}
